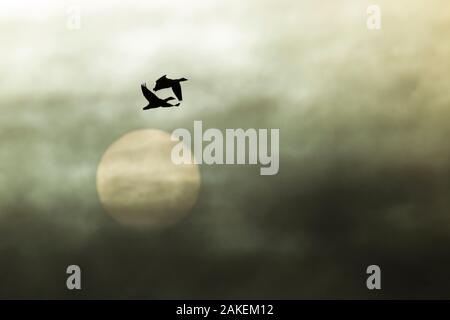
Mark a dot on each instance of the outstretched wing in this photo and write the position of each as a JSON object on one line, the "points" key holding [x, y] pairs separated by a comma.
{"points": [[150, 96], [176, 88]]}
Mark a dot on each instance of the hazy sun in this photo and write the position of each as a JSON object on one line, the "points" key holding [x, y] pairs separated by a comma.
{"points": [[138, 185]]}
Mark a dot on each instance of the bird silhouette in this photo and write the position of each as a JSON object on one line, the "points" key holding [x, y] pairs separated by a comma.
{"points": [[154, 101], [164, 82]]}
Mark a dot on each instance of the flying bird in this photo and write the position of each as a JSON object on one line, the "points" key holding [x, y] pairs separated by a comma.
{"points": [[154, 101], [164, 82]]}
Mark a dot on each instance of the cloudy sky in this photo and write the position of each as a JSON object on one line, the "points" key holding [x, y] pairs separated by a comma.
{"points": [[364, 159]]}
